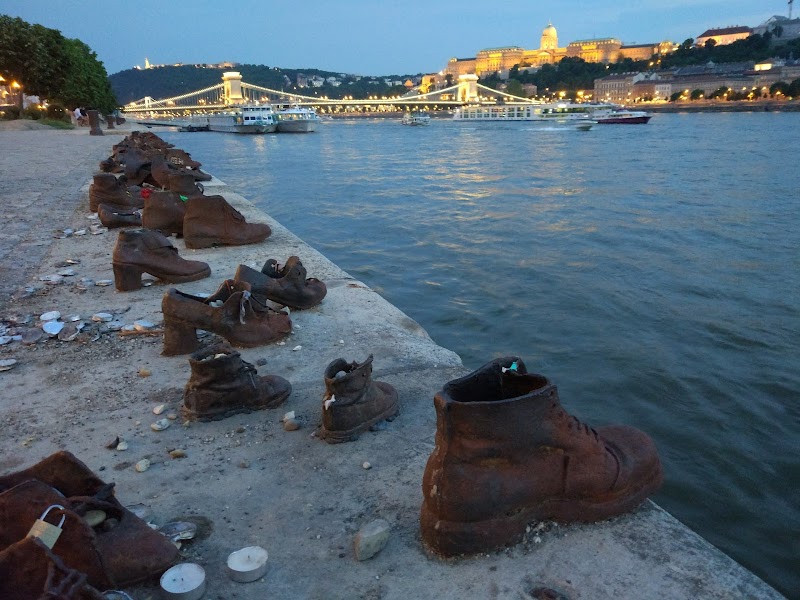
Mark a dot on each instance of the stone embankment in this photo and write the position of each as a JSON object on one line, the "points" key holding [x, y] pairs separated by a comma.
{"points": [[247, 481]]}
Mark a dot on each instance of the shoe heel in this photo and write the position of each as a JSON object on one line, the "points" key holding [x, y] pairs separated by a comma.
{"points": [[127, 277], [179, 338], [197, 242]]}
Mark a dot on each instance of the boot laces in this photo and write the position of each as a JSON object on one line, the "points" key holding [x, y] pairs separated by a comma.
{"points": [[581, 427]]}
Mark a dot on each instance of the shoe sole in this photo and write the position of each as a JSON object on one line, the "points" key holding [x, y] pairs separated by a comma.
{"points": [[453, 538], [275, 403]]}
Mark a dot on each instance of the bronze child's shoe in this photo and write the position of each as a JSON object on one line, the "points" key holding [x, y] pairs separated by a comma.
{"points": [[182, 182], [211, 221], [287, 285], [231, 312], [146, 251], [114, 217], [222, 384], [507, 454], [353, 402]]}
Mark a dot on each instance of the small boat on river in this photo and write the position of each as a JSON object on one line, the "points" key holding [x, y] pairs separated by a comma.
{"points": [[296, 119], [244, 118], [416, 117], [620, 116]]}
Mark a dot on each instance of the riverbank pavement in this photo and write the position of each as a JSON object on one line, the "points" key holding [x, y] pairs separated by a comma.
{"points": [[245, 480]]}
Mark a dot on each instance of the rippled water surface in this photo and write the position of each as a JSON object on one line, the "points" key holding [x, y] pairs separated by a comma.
{"points": [[652, 272]]}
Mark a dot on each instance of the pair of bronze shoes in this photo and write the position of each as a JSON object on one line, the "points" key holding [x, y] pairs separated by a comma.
{"points": [[238, 311]]}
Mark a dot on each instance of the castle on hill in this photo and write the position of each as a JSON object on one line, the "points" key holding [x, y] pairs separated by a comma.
{"points": [[602, 50]]}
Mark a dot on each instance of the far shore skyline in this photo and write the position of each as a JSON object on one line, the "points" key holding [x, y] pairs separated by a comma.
{"points": [[365, 38]]}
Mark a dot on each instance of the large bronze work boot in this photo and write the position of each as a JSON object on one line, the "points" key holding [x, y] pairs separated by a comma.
{"points": [[164, 212], [146, 251], [287, 285], [107, 189], [114, 217], [120, 551], [222, 384], [231, 312], [182, 182], [507, 454], [211, 221], [353, 402]]}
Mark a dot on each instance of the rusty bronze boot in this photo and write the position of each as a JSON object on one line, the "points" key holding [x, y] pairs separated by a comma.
{"points": [[222, 384], [287, 285], [507, 454], [231, 312], [146, 251], [164, 211], [114, 217], [182, 182], [106, 188], [353, 402], [211, 221]]}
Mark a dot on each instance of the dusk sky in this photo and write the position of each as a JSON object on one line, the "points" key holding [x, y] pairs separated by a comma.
{"points": [[366, 37]]}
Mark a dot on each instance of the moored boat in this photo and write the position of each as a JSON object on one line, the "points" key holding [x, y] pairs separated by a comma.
{"points": [[416, 117], [560, 114], [296, 119], [244, 118]]}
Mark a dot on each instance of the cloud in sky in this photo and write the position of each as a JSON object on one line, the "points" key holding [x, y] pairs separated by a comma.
{"points": [[364, 36]]}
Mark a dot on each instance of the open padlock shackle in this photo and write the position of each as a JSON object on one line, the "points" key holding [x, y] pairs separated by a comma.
{"points": [[49, 508]]}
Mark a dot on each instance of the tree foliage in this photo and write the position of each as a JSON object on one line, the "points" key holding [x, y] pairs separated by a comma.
{"points": [[53, 67]]}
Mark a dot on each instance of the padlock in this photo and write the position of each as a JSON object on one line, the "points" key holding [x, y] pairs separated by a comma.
{"points": [[47, 532]]}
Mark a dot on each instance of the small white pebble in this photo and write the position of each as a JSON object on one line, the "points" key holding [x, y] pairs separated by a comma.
{"points": [[296, 348], [366, 465]]}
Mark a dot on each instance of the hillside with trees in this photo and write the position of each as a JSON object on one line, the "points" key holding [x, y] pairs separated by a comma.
{"points": [[169, 81], [64, 71]]}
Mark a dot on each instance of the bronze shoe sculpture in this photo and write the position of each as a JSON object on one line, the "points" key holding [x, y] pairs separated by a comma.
{"points": [[29, 570], [507, 454], [146, 251], [123, 550], [222, 384], [164, 212], [160, 169], [353, 402], [211, 221], [114, 217], [287, 285], [231, 312], [106, 188], [182, 182]]}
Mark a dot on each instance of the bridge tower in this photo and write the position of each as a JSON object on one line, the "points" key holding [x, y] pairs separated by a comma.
{"points": [[467, 87], [232, 81]]}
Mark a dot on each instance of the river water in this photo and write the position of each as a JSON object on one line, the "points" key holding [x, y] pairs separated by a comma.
{"points": [[651, 271]]}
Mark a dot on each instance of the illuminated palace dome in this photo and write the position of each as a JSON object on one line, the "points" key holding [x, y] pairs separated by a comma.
{"points": [[549, 38]]}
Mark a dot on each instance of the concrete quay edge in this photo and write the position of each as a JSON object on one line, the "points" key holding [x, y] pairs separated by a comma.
{"points": [[250, 482]]}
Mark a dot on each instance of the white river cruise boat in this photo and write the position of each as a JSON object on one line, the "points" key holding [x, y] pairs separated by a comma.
{"points": [[296, 119], [559, 114], [244, 118]]}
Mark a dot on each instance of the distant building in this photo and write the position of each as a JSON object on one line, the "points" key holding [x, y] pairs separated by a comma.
{"points": [[724, 36], [603, 50], [788, 29]]}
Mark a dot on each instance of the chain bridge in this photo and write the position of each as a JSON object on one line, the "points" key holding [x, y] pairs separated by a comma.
{"points": [[233, 91]]}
